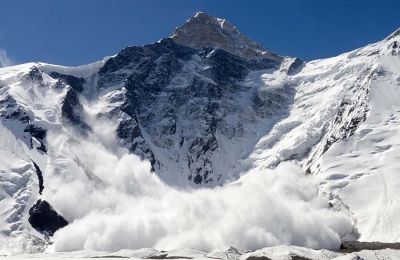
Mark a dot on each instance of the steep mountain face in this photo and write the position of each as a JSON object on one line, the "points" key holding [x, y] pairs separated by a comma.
{"points": [[187, 101], [204, 106], [183, 108]]}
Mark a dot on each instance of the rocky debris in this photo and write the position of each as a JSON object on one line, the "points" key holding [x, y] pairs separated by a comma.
{"points": [[45, 219]]}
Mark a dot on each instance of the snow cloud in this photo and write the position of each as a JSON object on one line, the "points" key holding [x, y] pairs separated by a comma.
{"points": [[113, 202], [4, 59]]}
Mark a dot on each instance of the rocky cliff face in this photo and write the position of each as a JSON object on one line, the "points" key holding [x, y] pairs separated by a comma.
{"points": [[186, 100], [203, 30], [184, 106]]}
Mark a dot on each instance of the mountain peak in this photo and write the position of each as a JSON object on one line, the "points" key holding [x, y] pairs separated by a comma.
{"points": [[203, 30], [203, 15]]}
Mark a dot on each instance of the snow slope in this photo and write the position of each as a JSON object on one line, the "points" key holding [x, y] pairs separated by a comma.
{"points": [[363, 170], [343, 126]]}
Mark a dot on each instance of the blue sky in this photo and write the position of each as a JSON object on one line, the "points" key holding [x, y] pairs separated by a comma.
{"points": [[74, 32]]}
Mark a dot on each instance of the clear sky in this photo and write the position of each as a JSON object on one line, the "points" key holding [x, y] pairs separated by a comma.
{"points": [[74, 32]]}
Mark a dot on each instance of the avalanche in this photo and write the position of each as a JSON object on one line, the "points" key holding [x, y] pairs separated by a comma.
{"points": [[204, 142]]}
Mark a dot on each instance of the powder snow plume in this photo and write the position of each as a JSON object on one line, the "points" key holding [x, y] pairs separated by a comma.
{"points": [[4, 59], [113, 201]]}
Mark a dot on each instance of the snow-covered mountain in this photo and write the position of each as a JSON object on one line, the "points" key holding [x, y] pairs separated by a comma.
{"points": [[204, 107]]}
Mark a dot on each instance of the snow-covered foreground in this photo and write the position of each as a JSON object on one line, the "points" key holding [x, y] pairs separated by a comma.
{"points": [[271, 253]]}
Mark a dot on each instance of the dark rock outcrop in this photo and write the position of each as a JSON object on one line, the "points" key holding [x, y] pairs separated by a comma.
{"points": [[40, 177], [36, 131], [45, 219], [296, 66], [71, 111], [74, 82], [356, 246], [35, 75]]}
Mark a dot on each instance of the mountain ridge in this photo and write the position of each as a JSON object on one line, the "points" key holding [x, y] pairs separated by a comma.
{"points": [[203, 30]]}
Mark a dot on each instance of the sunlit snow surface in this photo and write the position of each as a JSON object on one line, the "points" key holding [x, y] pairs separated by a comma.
{"points": [[364, 170], [273, 253]]}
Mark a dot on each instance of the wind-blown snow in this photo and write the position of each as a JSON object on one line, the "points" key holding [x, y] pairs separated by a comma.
{"points": [[117, 203], [4, 59], [113, 201]]}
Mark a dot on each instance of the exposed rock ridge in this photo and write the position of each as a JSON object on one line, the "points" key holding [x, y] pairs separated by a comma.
{"points": [[203, 30]]}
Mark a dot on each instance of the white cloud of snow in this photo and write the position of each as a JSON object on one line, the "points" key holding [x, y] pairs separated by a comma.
{"points": [[114, 202], [4, 59]]}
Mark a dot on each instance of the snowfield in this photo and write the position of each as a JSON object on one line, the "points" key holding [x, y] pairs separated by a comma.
{"points": [[359, 172], [154, 150], [274, 253], [363, 170]]}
